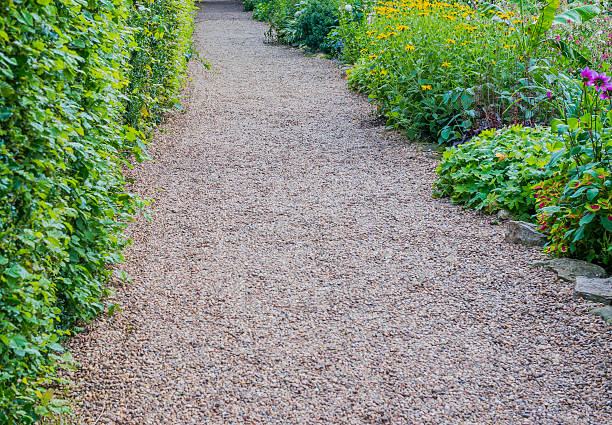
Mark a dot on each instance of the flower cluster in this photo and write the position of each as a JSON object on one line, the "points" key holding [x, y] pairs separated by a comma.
{"points": [[594, 38], [600, 81], [434, 52]]}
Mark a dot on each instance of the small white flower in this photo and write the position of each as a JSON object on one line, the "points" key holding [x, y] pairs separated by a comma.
{"points": [[298, 13], [348, 8]]}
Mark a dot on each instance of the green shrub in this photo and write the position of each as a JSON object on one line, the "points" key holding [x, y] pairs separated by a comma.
{"points": [[263, 10], [498, 169], [249, 5], [299, 22], [284, 18], [315, 22], [64, 132], [163, 31]]}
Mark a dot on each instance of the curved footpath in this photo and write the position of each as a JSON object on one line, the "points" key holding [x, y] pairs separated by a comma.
{"points": [[297, 271]]}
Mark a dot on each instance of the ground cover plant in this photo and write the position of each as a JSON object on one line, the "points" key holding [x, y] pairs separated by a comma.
{"points": [[498, 169], [81, 84]]}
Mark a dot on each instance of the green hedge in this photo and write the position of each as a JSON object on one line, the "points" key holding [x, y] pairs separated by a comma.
{"points": [[72, 110]]}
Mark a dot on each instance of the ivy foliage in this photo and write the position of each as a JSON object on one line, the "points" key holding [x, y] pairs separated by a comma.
{"points": [[81, 84]]}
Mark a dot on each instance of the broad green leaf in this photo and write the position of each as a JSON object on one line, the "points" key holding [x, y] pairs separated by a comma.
{"points": [[606, 222], [592, 193], [587, 219], [577, 15], [568, 51], [544, 22]]}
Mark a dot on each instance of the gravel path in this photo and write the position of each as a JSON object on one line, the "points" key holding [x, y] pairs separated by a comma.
{"points": [[297, 271]]}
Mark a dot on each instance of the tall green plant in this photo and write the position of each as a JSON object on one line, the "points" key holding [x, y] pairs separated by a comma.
{"points": [[531, 36]]}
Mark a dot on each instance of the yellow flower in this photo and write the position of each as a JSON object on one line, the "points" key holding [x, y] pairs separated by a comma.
{"points": [[448, 40], [383, 73], [426, 87], [372, 56], [445, 64], [409, 47]]}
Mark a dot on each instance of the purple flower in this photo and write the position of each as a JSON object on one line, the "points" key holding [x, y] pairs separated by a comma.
{"points": [[606, 92], [549, 95], [601, 80], [588, 76]]}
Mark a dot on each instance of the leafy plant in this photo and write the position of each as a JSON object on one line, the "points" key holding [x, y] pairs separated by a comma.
{"points": [[578, 215], [576, 205], [315, 22], [65, 132], [497, 169], [300, 22]]}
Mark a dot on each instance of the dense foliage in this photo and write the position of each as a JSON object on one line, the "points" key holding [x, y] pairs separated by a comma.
{"points": [[314, 22], [299, 22], [81, 83], [445, 71], [498, 169], [575, 206]]}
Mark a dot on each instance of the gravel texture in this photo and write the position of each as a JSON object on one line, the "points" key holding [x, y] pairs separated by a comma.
{"points": [[297, 271]]}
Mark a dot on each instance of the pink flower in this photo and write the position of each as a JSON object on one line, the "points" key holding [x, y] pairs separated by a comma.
{"points": [[588, 76], [601, 80], [606, 92]]}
